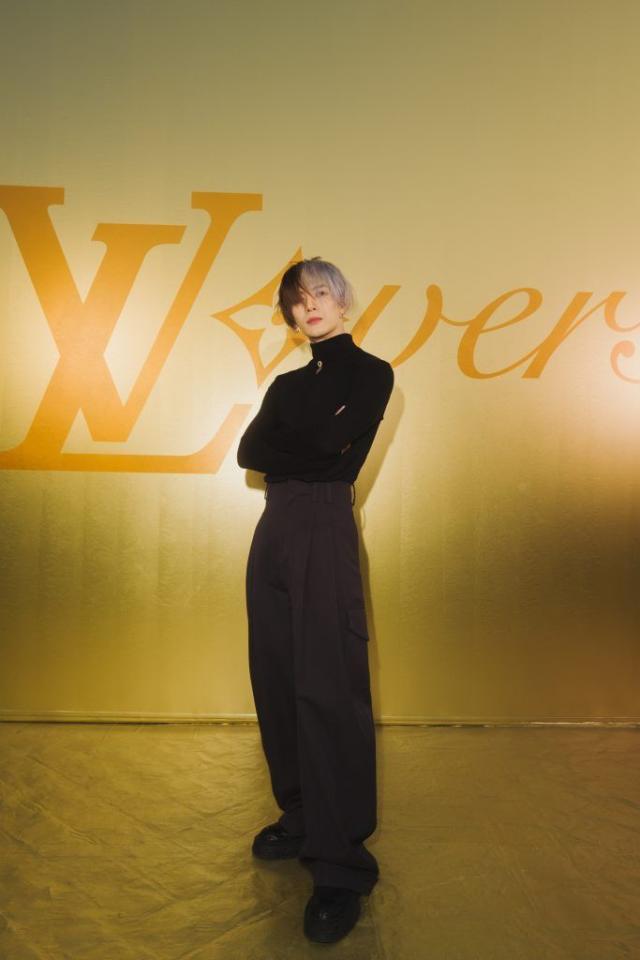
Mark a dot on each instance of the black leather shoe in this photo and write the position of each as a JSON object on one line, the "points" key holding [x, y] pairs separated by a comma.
{"points": [[275, 843], [331, 913]]}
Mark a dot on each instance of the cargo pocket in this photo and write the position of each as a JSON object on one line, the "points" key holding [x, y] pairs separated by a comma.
{"points": [[357, 618]]}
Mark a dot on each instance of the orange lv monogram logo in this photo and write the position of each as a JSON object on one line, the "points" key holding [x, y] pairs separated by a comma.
{"points": [[81, 379]]}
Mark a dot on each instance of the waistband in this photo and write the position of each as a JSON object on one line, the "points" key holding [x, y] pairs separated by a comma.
{"points": [[329, 491]]}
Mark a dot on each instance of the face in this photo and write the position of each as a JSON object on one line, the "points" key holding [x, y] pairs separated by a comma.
{"points": [[318, 314]]}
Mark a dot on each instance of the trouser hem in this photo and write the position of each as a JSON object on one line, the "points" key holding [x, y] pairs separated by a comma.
{"points": [[333, 875]]}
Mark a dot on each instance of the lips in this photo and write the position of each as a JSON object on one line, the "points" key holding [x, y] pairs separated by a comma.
{"points": [[314, 319]]}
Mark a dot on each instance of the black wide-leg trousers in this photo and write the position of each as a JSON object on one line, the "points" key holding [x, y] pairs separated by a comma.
{"points": [[309, 668]]}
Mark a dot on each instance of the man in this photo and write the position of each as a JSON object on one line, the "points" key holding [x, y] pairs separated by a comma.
{"points": [[308, 651]]}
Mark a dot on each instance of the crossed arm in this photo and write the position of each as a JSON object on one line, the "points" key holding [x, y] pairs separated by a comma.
{"points": [[272, 446], [259, 448]]}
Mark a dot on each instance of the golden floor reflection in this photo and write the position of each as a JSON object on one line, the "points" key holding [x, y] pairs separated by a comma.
{"points": [[128, 842]]}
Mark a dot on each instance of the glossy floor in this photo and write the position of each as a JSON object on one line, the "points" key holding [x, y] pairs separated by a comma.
{"points": [[132, 842]]}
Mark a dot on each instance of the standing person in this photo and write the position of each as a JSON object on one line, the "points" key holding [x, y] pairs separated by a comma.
{"points": [[308, 651]]}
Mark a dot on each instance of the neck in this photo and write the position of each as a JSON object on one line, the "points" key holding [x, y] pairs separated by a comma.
{"points": [[336, 346]]}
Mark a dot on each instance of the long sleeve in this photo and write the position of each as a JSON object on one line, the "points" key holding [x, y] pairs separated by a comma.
{"points": [[365, 406], [260, 450]]}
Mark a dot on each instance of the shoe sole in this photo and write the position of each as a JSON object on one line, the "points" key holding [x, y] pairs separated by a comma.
{"points": [[278, 850]]}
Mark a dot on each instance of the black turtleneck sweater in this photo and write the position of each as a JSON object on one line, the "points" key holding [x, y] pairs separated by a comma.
{"points": [[298, 432]]}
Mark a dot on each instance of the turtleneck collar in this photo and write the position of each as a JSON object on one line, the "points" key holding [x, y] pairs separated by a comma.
{"points": [[336, 346]]}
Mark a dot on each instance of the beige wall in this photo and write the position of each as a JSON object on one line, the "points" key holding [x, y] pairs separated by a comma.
{"points": [[179, 156]]}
